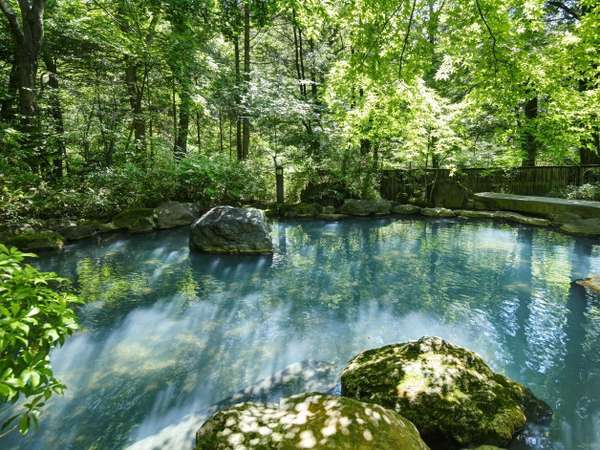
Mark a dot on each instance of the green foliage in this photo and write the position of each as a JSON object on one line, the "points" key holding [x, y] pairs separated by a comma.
{"points": [[584, 192], [36, 315]]}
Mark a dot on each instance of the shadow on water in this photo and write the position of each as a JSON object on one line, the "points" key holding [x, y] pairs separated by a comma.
{"points": [[169, 335]]}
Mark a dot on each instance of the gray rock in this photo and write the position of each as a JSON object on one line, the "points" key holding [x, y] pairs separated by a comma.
{"points": [[448, 392], [520, 218], [174, 214], [476, 214], [583, 227], [438, 212], [539, 206], [449, 194], [356, 207], [406, 209], [309, 420], [225, 229], [81, 230]]}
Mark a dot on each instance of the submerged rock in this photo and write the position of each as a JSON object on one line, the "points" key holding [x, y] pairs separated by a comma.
{"points": [[309, 421], [520, 218], [438, 212], [225, 229], [448, 392], [35, 240], [136, 220], [356, 207], [591, 284], [406, 209], [583, 227], [174, 214]]}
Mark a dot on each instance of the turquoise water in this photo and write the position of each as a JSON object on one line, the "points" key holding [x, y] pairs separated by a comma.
{"points": [[167, 334]]}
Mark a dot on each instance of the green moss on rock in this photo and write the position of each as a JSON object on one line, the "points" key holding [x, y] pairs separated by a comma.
{"points": [[448, 392], [137, 220], [35, 240], [309, 421]]}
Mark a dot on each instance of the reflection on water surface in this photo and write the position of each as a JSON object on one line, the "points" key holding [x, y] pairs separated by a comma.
{"points": [[168, 335]]}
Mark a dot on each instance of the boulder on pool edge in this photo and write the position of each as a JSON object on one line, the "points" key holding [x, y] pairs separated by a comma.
{"points": [[316, 421], [225, 229], [449, 393]]}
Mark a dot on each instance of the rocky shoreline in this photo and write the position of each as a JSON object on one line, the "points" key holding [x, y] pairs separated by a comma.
{"points": [[53, 234]]}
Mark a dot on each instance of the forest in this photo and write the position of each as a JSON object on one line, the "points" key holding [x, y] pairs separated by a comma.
{"points": [[108, 104], [145, 146]]}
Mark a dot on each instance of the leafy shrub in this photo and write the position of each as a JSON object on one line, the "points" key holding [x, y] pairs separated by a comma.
{"points": [[35, 317], [583, 192]]}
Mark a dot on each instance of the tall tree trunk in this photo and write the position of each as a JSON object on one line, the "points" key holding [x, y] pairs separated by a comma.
{"points": [[56, 113], [246, 120], [185, 103], [530, 142], [238, 121], [28, 36], [135, 93]]}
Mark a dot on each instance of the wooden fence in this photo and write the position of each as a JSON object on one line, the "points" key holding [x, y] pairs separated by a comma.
{"points": [[542, 180]]}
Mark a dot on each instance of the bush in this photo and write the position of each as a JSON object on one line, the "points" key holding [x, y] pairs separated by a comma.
{"points": [[35, 317], [583, 192], [101, 194]]}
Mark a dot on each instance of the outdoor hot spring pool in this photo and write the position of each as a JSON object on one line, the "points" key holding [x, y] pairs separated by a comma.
{"points": [[168, 334]]}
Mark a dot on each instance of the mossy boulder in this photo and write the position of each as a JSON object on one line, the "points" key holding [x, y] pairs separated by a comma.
{"points": [[81, 230], [448, 392], [225, 229], [300, 210], [174, 214], [356, 207], [449, 194], [309, 421], [406, 209], [35, 240], [136, 220]]}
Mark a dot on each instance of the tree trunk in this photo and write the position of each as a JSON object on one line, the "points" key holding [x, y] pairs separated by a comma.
{"points": [[530, 142], [56, 113], [28, 36], [246, 119], [185, 103], [135, 93], [238, 122]]}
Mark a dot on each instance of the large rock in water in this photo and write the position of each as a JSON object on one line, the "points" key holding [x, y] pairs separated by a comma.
{"points": [[136, 220], [448, 392], [309, 421], [225, 229]]}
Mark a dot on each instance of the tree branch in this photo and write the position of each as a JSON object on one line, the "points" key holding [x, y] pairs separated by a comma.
{"points": [[11, 16], [492, 37], [410, 21], [565, 8]]}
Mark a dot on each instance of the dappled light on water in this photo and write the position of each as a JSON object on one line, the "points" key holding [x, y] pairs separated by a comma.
{"points": [[170, 337]]}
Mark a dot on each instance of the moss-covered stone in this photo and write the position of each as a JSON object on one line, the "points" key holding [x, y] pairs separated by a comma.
{"points": [[35, 240], [81, 230], [356, 207], [137, 220], [313, 420], [406, 209], [438, 212], [448, 392], [300, 210]]}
